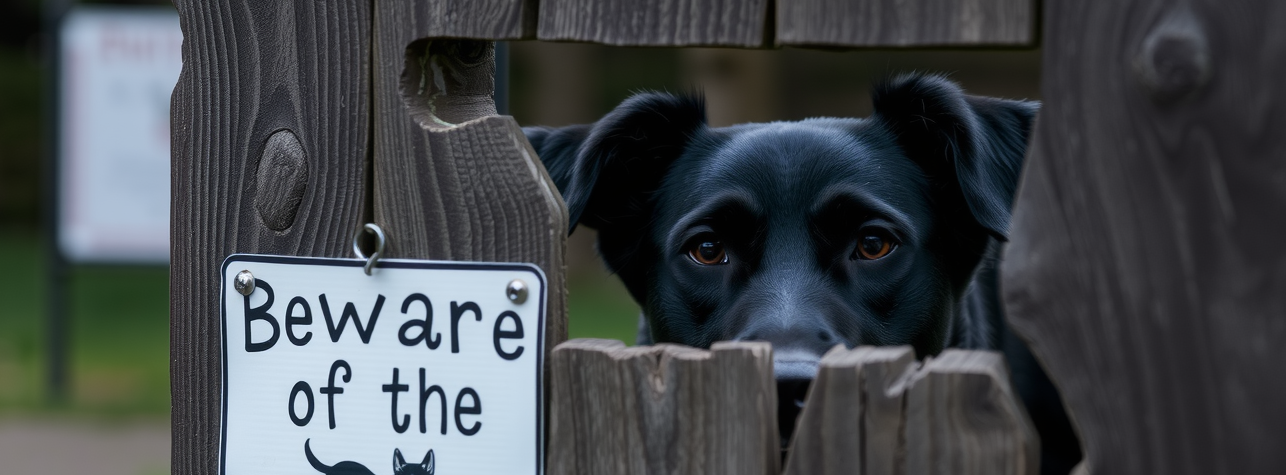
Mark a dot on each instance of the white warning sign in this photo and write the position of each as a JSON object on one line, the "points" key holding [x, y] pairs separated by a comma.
{"points": [[420, 368]]}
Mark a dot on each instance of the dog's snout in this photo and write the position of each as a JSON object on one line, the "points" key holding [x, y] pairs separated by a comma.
{"points": [[806, 337]]}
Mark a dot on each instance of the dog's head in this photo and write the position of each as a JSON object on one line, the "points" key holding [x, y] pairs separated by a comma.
{"points": [[804, 234]]}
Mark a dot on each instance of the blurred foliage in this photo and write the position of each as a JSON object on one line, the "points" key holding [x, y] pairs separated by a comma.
{"points": [[118, 344], [600, 308]]}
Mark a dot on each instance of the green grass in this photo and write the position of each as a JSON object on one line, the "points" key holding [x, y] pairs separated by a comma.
{"points": [[599, 307], [119, 331], [118, 338]]}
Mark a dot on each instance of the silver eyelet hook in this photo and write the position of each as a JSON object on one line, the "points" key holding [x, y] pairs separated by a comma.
{"points": [[379, 245]]}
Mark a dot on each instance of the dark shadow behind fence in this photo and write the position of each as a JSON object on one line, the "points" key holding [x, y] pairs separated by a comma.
{"points": [[1144, 267]]}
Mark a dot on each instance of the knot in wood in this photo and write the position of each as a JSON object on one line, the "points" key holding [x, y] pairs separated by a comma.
{"points": [[281, 180], [1174, 61]]}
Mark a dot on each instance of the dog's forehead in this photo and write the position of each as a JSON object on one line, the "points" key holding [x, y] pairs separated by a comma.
{"points": [[790, 165]]}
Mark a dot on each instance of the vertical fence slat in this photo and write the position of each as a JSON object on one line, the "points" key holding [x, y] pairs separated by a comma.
{"points": [[662, 409], [1145, 262], [873, 410], [269, 124], [962, 418], [656, 22], [852, 421], [906, 22]]}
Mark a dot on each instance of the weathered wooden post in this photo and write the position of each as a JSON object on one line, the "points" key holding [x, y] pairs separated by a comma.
{"points": [[296, 122], [1145, 263], [271, 143]]}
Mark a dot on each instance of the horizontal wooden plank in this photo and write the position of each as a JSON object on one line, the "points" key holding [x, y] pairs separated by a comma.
{"points": [[655, 22], [662, 409], [471, 19], [861, 23]]}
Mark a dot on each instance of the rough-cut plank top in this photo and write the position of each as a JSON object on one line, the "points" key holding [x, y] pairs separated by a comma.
{"points": [[655, 22], [875, 410], [962, 418], [662, 409], [852, 420], [906, 22]]}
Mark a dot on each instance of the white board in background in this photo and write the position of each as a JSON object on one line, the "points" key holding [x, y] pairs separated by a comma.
{"points": [[118, 68]]}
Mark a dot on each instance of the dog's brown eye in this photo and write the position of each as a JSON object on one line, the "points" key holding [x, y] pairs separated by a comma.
{"points": [[707, 252], [872, 246]]}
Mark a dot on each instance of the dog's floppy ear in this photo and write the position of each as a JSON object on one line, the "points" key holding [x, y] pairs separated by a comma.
{"points": [[979, 140], [606, 170]]}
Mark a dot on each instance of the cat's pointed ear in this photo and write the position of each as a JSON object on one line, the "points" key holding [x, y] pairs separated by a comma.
{"points": [[398, 461], [976, 142], [428, 463]]}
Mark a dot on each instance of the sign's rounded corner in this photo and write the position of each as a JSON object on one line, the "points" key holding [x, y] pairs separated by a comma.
{"points": [[234, 257], [540, 275]]}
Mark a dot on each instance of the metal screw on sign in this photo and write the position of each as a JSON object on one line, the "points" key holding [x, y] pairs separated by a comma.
{"points": [[244, 283], [517, 291], [379, 245]]}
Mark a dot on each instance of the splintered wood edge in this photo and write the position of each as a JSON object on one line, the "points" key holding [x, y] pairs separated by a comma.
{"points": [[844, 366], [618, 350], [954, 363], [989, 364], [601, 345], [839, 357]]}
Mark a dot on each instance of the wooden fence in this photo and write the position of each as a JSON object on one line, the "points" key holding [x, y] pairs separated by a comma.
{"points": [[1145, 264]]}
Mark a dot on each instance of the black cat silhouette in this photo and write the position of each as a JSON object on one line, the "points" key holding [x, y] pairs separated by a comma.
{"points": [[400, 467]]}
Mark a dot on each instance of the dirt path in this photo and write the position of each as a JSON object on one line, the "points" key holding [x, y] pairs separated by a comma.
{"points": [[33, 446]]}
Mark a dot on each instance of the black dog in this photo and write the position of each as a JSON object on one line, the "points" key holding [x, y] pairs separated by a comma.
{"points": [[877, 231]]}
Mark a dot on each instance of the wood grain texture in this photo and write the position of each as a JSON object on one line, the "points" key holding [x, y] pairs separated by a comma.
{"points": [[453, 181], [962, 418], [877, 411], [656, 22], [471, 19], [852, 420], [251, 69], [662, 409], [1145, 262], [906, 22]]}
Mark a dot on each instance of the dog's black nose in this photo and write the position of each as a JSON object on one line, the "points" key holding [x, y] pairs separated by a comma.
{"points": [[791, 394]]}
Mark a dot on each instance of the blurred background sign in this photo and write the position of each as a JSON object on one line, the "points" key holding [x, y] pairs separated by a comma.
{"points": [[119, 66]]}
